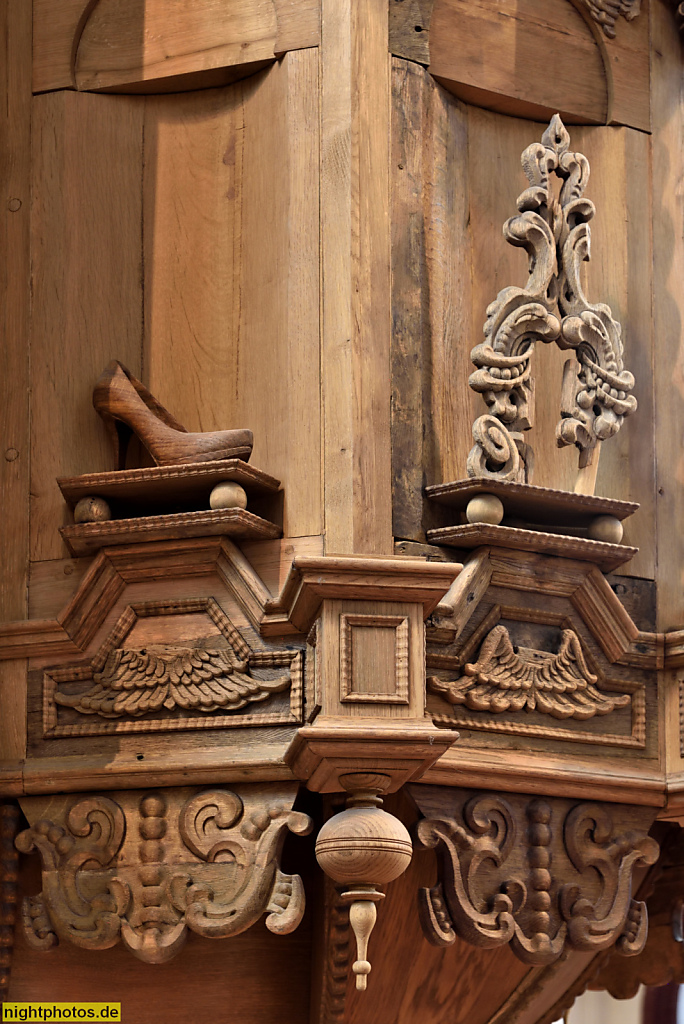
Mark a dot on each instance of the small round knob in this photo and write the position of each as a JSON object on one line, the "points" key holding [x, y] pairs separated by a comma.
{"points": [[228, 494], [92, 510], [606, 528], [485, 508], [363, 845]]}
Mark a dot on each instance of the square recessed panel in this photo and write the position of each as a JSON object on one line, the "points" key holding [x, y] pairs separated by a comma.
{"points": [[374, 659]]}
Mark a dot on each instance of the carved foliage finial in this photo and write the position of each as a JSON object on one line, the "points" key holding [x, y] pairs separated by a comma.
{"points": [[536, 874], [551, 307], [606, 12], [146, 869]]}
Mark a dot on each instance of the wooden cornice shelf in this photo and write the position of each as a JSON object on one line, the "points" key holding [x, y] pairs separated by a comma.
{"points": [[311, 579], [162, 486], [477, 535], [87, 538], [531, 503]]}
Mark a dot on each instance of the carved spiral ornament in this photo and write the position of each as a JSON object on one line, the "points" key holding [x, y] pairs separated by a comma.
{"points": [[551, 307], [542, 875], [145, 869]]}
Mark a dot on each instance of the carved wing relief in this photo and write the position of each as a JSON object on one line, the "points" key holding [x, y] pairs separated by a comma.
{"points": [[203, 675], [508, 678], [139, 681]]}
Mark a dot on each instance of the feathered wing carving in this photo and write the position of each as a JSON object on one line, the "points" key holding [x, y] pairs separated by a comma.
{"points": [[508, 678], [136, 682]]}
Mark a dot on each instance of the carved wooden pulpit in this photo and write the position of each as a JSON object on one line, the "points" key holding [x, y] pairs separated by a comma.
{"points": [[342, 586]]}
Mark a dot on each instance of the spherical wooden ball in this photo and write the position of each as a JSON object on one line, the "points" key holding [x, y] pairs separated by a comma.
{"points": [[92, 510], [228, 495], [363, 845], [485, 508], [606, 528]]}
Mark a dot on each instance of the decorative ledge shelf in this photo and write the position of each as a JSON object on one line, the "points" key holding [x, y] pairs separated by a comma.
{"points": [[88, 538], [543, 505], [168, 503], [159, 487], [476, 535]]}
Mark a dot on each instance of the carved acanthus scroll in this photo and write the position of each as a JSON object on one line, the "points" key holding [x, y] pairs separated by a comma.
{"points": [[551, 307], [508, 678], [146, 869], [606, 12], [543, 875]]}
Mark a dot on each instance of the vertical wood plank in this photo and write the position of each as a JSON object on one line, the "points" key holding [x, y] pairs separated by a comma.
{"points": [[12, 711], [231, 269], [668, 311], [355, 109], [279, 356], [87, 286], [192, 242], [454, 325], [15, 192], [620, 187], [667, 108], [410, 300]]}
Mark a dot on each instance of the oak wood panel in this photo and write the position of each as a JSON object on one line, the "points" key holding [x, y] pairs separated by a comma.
{"points": [[57, 28], [355, 255], [231, 269], [668, 309], [126, 42], [157, 46], [15, 157], [13, 711], [622, 181], [87, 294], [527, 37]]}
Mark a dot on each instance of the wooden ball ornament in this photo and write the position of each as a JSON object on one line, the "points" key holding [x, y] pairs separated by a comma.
{"points": [[485, 508], [228, 494], [363, 847], [606, 528], [92, 510]]}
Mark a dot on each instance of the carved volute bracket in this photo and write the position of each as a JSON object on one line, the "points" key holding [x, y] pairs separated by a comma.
{"points": [[544, 875], [145, 868]]}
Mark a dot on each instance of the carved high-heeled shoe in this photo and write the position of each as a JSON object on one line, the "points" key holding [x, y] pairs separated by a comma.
{"points": [[126, 406]]}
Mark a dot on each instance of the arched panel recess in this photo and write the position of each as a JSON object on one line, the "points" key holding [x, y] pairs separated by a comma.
{"points": [[533, 58], [151, 46]]}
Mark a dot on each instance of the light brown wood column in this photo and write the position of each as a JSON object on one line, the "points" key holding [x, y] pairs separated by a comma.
{"points": [[355, 105], [15, 196], [668, 368]]}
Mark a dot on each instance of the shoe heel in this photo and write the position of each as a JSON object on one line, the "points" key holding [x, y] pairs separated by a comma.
{"points": [[119, 435]]}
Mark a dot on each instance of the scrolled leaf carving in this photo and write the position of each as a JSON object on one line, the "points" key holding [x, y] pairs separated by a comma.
{"points": [[145, 869], [552, 307], [542, 875], [606, 12], [89, 916]]}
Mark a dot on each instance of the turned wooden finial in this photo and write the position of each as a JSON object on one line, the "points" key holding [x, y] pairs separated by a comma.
{"points": [[363, 847]]}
